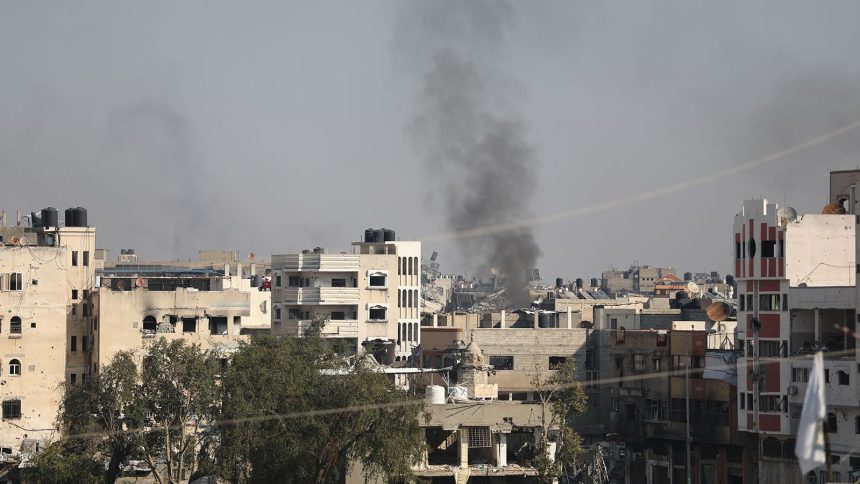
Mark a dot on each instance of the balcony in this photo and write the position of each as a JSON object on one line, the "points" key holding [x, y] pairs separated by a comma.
{"points": [[344, 328], [316, 262], [317, 295]]}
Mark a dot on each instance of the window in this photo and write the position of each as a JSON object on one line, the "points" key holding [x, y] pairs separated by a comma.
{"points": [[339, 282], [857, 424], [556, 361], [502, 362], [589, 359], [742, 400], [376, 279], [657, 364], [613, 323], [378, 313], [639, 362], [189, 325], [73, 378], [479, 437], [84, 343], [74, 258], [662, 339], [294, 281], [770, 403], [737, 250], [785, 302], [769, 302], [15, 325], [12, 409], [278, 279], [277, 313], [74, 344], [218, 325], [768, 349], [656, 410], [741, 301], [750, 302], [800, 375], [86, 258], [149, 324], [842, 377], [832, 426], [338, 316], [827, 375], [16, 282], [749, 401], [768, 248], [15, 367], [74, 294]]}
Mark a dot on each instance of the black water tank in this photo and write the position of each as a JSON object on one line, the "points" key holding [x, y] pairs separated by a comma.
{"points": [[369, 235], [579, 282], [380, 235], [81, 216], [50, 217], [688, 276], [595, 282], [388, 235], [730, 280], [70, 217], [35, 220], [559, 282]]}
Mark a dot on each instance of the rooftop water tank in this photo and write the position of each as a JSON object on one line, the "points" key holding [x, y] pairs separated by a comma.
{"points": [[435, 395], [81, 216], [50, 217], [369, 235], [388, 235], [70, 220]]}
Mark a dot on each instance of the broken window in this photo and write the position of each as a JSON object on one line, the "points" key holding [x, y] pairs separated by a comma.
{"points": [[189, 325], [502, 362], [339, 282], [378, 313], [149, 324], [479, 437], [15, 282], [12, 409], [15, 325], [218, 325], [556, 361], [14, 367]]}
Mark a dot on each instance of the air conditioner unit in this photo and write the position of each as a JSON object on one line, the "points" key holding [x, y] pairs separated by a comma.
{"points": [[792, 390]]}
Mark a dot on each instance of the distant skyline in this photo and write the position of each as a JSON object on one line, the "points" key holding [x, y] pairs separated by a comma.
{"points": [[266, 126]]}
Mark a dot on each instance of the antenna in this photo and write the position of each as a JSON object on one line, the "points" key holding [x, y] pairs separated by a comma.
{"points": [[786, 215]]}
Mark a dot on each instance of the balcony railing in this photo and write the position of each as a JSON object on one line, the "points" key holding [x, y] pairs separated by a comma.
{"points": [[317, 262], [318, 295], [336, 328]]}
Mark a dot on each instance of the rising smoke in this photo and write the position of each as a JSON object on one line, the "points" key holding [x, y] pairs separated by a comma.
{"points": [[471, 135]]}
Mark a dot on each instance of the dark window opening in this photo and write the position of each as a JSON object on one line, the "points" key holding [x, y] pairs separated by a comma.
{"points": [[832, 427], [340, 282], [12, 409], [277, 280], [737, 250], [218, 325], [502, 362], [150, 324], [338, 316], [15, 325], [376, 280], [768, 248], [277, 313], [15, 367], [378, 313], [73, 378], [752, 248], [74, 344], [782, 248], [74, 258], [74, 294], [556, 361], [16, 282], [86, 258], [189, 325], [843, 377]]}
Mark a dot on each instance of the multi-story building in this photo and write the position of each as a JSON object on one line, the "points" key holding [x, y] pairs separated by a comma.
{"points": [[369, 298], [46, 278], [797, 288], [637, 279]]}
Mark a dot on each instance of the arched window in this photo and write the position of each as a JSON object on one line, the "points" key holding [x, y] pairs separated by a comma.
{"points": [[15, 367], [15, 325], [409, 331], [399, 332], [415, 266], [400, 266], [149, 323], [410, 265], [416, 297], [409, 295]]}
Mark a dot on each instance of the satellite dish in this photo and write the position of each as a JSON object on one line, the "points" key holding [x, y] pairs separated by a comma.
{"points": [[693, 288], [22, 241], [786, 215], [719, 311], [834, 208], [14, 239]]}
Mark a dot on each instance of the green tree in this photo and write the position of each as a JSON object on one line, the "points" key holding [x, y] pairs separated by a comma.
{"points": [[63, 461], [178, 392], [282, 422], [561, 396]]}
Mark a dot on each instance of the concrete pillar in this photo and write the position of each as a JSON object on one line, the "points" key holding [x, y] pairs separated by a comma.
{"points": [[569, 317], [817, 325], [537, 319], [501, 450], [464, 447], [435, 320], [227, 270], [503, 323]]}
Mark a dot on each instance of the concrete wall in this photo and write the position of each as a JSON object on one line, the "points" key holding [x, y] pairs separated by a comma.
{"points": [[820, 251]]}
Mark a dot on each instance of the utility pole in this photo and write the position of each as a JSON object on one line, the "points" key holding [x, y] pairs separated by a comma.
{"points": [[687, 392]]}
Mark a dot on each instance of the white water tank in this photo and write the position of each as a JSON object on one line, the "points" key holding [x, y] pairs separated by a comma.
{"points": [[435, 394], [459, 394]]}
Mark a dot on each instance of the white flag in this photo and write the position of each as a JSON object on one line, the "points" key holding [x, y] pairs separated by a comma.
{"points": [[809, 448]]}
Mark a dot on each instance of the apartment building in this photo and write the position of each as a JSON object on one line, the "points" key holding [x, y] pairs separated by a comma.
{"points": [[46, 277], [796, 296], [369, 298]]}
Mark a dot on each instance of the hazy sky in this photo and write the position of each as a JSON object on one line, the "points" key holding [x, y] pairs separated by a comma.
{"points": [[277, 126]]}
